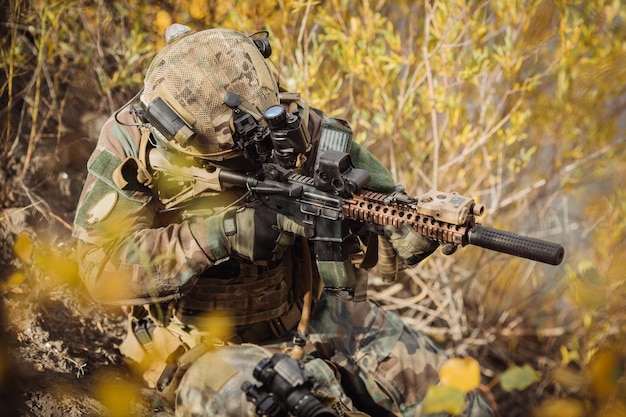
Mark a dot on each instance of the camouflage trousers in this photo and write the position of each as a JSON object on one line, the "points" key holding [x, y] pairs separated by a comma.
{"points": [[360, 353]]}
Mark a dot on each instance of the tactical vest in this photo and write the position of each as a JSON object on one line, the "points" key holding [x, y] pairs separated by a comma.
{"points": [[182, 190], [246, 292]]}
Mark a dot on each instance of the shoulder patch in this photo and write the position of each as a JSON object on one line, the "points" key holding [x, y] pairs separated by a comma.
{"points": [[102, 208]]}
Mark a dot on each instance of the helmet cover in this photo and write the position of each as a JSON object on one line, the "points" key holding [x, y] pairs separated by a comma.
{"points": [[193, 74]]}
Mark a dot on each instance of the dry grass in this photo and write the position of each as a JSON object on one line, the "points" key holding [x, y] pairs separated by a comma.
{"points": [[491, 101]]}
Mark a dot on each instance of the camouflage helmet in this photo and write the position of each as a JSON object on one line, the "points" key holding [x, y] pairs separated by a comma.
{"points": [[192, 76]]}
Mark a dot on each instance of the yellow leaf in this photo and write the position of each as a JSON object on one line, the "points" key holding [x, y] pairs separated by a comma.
{"points": [[460, 373], [23, 247], [117, 395], [58, 267], [15, 279], [442, 399], [560, 407], [604, 373], [614, 408], [197, 9], [217, 324], [163, 20]]}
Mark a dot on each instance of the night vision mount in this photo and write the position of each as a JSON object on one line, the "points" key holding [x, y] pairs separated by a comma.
{"points": [[282, 139]]}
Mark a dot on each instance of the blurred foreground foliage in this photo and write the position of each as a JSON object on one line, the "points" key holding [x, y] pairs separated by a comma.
{"points": [[520, 105]]}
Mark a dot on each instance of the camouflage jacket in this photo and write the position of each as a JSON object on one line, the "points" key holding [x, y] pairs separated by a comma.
{"points": [[130, 252]]}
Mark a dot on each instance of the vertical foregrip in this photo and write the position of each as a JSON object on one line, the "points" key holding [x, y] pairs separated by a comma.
{"points": [[516, 245]]}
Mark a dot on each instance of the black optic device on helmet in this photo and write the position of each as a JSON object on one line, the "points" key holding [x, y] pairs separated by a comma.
{"points": [[283, 140], [160, 115]]}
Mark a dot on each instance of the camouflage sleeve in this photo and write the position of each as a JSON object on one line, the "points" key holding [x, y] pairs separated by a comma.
{"points": [[124, 256], [381, 179]]}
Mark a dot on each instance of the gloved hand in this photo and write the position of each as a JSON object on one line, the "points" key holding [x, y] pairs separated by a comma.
{"points": [[258, 233], [410, 245]]}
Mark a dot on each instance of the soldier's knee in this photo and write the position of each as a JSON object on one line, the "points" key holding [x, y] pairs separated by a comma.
{"points": [[212, 384]]}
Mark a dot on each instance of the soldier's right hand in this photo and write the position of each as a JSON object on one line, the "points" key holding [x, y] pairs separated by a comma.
{"points": [[258, 233]]}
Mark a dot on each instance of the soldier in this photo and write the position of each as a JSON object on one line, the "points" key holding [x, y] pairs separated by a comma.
{"points": [[160, 234]]}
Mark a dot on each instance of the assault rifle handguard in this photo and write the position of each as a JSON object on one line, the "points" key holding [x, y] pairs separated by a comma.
{"points": [[333, 198], [383, 209]]}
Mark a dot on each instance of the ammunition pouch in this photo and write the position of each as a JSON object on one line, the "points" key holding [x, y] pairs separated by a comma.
{"points": [[259, 302], [257, 294]]}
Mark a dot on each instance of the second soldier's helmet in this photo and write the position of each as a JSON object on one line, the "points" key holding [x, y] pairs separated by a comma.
{"points": [[188, 80]]}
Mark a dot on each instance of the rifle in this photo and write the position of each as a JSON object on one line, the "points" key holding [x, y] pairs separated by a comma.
{"points": [[334, 198]]}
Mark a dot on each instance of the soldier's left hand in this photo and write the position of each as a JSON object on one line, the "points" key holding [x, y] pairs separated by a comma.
{"points": [[410, 245]]}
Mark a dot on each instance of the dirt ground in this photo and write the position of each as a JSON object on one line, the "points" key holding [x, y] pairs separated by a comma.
{"points": [[58, 348], [61, 347]]}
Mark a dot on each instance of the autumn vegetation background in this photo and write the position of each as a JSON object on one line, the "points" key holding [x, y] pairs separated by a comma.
{"points": [[519, 104]]}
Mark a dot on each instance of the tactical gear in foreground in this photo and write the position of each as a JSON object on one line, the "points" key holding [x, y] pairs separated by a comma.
{"points": [[285, 387]]}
